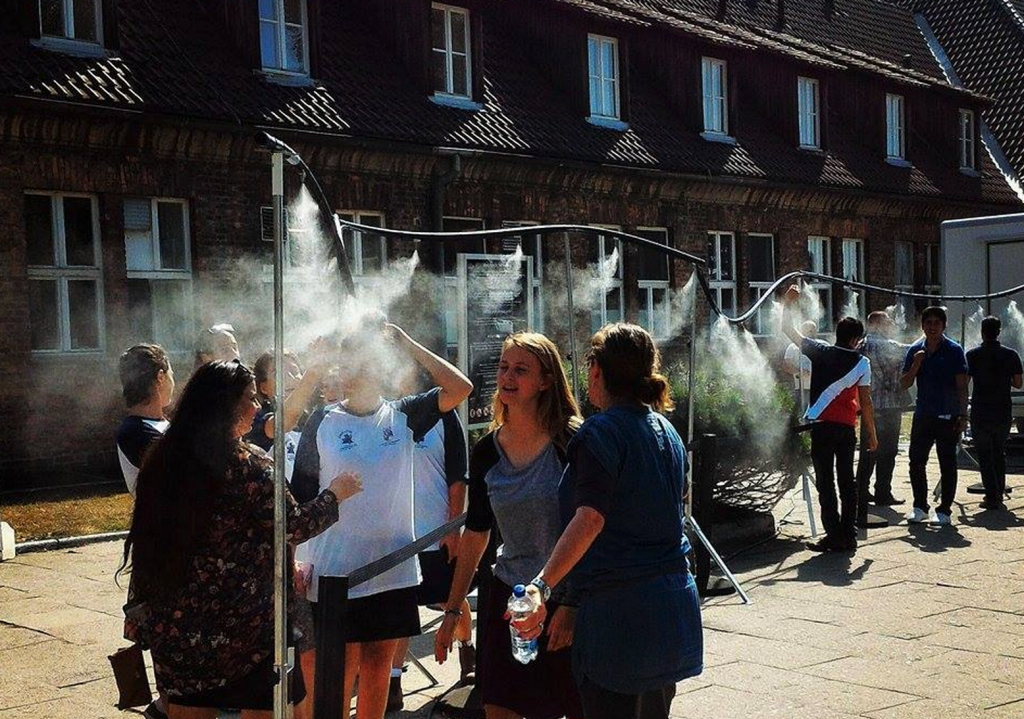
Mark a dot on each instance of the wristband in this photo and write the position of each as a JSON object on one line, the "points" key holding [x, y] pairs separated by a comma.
{"points": [[542, 586], [453, 612], [333, 495]]}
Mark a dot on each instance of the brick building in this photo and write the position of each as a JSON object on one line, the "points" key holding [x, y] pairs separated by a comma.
{"points": [[769, 136]]}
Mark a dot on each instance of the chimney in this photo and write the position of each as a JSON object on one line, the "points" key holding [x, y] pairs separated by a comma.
{"points": [[723, 8], [908, 61], [830, 8], [780, 20]]}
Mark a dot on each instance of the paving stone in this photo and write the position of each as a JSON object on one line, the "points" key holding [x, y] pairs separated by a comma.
{"points": [[717, 701]]}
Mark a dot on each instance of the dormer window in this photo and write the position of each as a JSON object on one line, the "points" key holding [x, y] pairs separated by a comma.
{"points": [[75, 20], [716, 98], [603, 72], [967, 154], [809, 113], [284, 40], [895, 128], [452, 67]]}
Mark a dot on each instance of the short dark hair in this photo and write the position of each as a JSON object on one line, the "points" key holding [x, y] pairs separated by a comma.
{"points": [[990, 327], [848, 329], [138, 368], [934, 311]]}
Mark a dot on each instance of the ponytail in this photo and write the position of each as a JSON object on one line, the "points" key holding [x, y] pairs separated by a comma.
{"points": [[631, 365]]}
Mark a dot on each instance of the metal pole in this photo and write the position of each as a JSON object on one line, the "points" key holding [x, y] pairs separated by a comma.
{"points": [[280, 547], [572, 321], [691, 399]]}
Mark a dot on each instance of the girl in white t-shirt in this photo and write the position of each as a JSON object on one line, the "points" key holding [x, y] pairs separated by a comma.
{"points": [[375, 438]]}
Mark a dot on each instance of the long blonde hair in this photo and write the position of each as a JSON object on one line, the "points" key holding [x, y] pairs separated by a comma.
{"points": [[556, 407]]}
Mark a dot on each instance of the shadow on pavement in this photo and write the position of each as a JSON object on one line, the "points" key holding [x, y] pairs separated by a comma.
{"points": [[930, 538], [998, 520]]}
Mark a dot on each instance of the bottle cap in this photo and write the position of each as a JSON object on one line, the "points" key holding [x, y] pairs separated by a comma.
{"points": [[518, 591]]}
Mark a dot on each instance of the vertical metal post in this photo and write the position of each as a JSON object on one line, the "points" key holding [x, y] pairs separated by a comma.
{"points": [[691, 399], [963, 324], [572, 321], [281, 704], [332, 616]]}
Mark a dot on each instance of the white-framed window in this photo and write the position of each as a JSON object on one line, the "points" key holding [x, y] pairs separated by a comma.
{"points": [[895, 127], [368, 255], [721, 254], [654, 306], [853, 266], [809, 112], [533, 246], [284, 37], [760, 276], [967, 154], [158, 258], [903, 266], [451, 55], [64, 278], [932, 269], [450, 250], [819, 252], [603, 71], [716, 95], [606, 258], [76, 20]]}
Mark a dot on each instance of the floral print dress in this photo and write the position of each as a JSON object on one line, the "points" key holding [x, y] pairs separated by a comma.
{"points": [[219, 626]]}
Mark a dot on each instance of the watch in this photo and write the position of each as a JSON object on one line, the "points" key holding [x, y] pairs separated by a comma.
{"points": [[542, 586]]}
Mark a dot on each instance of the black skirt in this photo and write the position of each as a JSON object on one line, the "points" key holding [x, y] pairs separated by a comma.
{"points": [[253, 691], [543, 689], [388, 615]]}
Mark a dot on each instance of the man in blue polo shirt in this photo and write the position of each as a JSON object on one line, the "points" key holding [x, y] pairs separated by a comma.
{"points": [[939, 367]]}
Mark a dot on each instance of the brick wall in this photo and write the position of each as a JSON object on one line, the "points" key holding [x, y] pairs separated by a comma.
{"points": [[61, 411]]}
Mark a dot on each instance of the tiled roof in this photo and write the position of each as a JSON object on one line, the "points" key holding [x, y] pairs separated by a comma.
{"points": [[984, 40], [178, 63]]}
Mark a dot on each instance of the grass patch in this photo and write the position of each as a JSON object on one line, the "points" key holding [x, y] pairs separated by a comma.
{"points": [[68, 512]]}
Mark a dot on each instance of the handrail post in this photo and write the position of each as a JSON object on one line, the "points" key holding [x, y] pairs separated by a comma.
{"points": [[332, 616]]}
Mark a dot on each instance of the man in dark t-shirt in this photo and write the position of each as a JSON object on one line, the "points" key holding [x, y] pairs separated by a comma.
{"points": [[993, 370], [840, 385]]}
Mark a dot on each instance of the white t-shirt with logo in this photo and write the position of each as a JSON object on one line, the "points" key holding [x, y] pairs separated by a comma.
{"points": [[439, 461], [379, 520]]}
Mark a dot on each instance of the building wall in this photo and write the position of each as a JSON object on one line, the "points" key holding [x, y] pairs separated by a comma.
{"points": [[61, 411]]}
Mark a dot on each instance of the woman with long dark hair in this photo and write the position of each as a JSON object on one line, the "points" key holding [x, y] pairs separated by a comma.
{"points": [[201, 550], [638, 628]]}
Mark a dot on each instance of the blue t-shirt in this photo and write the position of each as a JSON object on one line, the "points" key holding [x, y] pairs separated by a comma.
{"points": [[936, 381], [638, 626]]}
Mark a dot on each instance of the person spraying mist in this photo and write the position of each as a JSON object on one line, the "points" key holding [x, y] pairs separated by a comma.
{"points": [[840, 382]]}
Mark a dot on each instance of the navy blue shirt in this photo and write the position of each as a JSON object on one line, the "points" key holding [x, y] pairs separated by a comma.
{"points": [[937, 395], [638, 626], [992, 367]]}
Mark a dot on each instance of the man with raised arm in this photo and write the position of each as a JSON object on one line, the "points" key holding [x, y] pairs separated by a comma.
{"points": [[840, 381], [939, 367]]}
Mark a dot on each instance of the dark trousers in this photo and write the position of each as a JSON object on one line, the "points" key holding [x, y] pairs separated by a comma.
{"points": [[926, 431], [832, 447], [882, 461], [990, 443], [601, 703]]}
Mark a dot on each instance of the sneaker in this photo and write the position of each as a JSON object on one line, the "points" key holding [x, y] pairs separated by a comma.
{"points": [[889, 501], [942, 519], [467, 664], [848, 545], [992, 504], [153, 711], [917, 516], [396, 702], [822, 545]]}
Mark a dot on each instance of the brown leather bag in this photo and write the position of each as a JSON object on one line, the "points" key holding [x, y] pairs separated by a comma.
{"points": [[130, 675]]}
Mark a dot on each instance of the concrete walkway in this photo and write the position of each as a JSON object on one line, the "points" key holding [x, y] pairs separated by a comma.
{"points": [[921, 623]]}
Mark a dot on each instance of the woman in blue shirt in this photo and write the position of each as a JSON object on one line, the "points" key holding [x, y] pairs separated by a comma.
{"points": [[638, 627]]}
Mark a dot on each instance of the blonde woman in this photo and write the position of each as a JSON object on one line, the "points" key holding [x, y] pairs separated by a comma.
{"points": [[514, 473]]}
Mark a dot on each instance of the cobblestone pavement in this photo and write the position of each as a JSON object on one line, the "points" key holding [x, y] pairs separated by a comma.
{"points": [[922, 622]]}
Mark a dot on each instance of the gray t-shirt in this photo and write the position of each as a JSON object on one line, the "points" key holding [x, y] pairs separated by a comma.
{"points": [[524, 503]]}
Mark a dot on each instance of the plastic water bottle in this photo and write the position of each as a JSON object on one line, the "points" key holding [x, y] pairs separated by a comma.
{"points": [[520, 605]]}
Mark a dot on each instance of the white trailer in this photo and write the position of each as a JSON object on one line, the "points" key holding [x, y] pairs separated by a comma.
{"points": [[982, 255]]}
